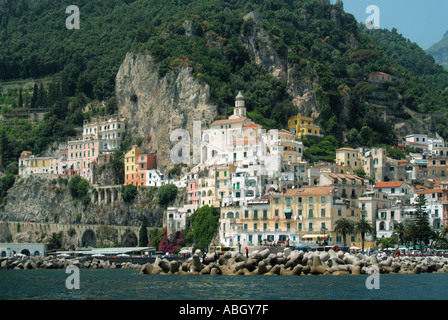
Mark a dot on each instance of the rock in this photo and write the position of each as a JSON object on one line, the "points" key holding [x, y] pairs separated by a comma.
{"points": [[356, 270], [238, 257], [262, 268], [147, 268], [214, 271], [174, 266], [287, 252], [297, 270], [265, 253], [238, 265], [225, 270], [324, 256], [196, 265], [209, 258], [205, 270], [317, 267], [373, 260], [341, 273], [251, 264], [164, 265], [387, 262], [349, 259], [275, 270], [281, 260], [306, 269]]}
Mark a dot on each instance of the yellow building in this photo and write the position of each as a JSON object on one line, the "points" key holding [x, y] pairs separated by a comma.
{"points": [[297, 216], [30, 164], [303, 126], [131, 167]]}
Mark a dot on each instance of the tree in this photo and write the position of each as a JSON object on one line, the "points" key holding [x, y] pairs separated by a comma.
{"points": [[20, 104], [423, 228], [167, 193], [202, 226], [363, 227], [143, 235], [79, 189], [344, 226], [129, 192], [55, 241], [155, 237]]}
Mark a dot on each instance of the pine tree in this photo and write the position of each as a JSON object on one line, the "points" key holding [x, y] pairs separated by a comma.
{"points": [[35, 96], [143, 235], [20, 98], [423, 228]]}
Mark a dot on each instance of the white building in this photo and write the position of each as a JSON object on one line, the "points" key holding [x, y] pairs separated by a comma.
{"points": [[154, 178]]}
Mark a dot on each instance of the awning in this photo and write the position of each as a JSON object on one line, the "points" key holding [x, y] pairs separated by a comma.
{"points": [[312, 236], [287, 211]]}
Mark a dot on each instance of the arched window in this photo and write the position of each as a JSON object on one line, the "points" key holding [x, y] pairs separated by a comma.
{"points": [[229, 215]]}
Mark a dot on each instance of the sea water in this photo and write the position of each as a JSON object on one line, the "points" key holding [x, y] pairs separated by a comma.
{"points": [[128, 284]]}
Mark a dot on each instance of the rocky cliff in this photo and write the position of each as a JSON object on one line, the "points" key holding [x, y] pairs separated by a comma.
{"points": [[261, 48], [155, 106], [45, 199], [439, 51]]}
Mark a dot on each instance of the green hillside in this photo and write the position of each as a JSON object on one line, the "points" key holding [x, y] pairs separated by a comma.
{"points": [[324, 45]]}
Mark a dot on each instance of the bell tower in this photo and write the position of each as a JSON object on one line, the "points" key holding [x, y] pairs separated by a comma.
{"points": [[240, 110]]}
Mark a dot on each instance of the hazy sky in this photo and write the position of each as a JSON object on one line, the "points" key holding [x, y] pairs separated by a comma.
{"points": [[421, 21]]}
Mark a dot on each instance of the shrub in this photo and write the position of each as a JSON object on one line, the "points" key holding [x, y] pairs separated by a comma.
{"points": [[129, 192], [167, 193]]}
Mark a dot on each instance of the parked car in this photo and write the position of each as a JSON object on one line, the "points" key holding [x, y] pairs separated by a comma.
{"points": [[186, 251]]}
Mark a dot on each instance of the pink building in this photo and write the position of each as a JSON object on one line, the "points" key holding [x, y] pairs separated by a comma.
{"points": [[192, 188]]}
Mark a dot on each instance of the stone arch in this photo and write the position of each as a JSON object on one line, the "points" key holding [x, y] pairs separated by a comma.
{"points": [[3, 254], [26, 252], [129, 239], [88, 238]]}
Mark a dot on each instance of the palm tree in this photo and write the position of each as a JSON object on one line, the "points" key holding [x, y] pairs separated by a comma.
{"points": [[344, 226], [363, 227]]}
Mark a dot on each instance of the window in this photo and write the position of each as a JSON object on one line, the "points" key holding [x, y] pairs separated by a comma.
{"points": [[246, 214], [265, 214], [310, 226], [310, 213], [255, 214], [310, 200], [322, 200], [322, 212], [299, 226]]}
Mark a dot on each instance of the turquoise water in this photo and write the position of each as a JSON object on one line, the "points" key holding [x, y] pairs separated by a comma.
{"points": [[116, 284]]}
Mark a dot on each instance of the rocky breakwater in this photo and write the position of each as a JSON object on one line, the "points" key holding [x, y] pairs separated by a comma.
{"points": [[290, 262], [27, 263]]}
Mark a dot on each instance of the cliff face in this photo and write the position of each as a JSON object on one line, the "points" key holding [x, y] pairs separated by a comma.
{"points": [[154, 106], [40, 199], [261, 48], [439, 51]]}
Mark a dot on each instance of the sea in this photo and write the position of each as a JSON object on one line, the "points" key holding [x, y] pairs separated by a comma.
{"points": [[129, 284]]}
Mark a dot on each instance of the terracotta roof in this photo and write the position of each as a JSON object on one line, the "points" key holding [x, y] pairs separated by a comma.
{"points": [[251, 126], [230, 121], [346, 149], [430, 191], [307, 191], [389, 184]]}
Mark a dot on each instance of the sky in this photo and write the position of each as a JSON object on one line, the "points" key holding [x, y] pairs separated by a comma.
{"points": [[421, 21]]}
